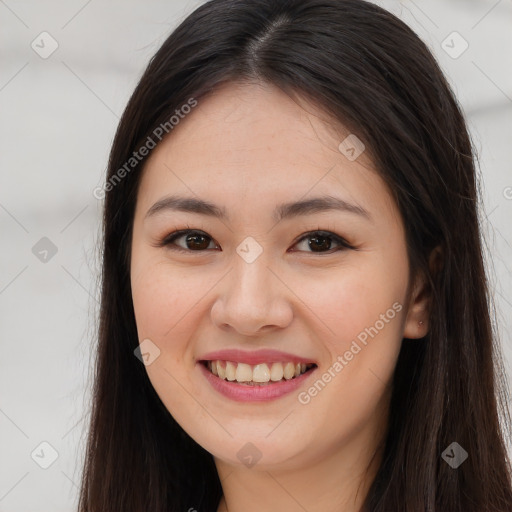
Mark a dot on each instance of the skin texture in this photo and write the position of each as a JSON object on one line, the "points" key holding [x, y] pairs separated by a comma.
{"points": [[247, 148]]}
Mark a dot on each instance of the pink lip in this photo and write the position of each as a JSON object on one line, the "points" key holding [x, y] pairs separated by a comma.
{"points": [[245, 393], [254, 357]]}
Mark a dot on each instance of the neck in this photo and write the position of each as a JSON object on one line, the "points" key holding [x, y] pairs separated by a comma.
{"points": [[337, 482]]}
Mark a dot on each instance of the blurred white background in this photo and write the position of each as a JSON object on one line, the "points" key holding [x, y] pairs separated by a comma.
{"points": [[59, 112]]}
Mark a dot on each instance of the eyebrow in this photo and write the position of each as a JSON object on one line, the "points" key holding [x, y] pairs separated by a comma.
{"points": [[281, 212]]}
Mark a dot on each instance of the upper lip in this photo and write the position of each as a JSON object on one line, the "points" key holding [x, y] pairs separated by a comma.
{"points": [[254, 357]]}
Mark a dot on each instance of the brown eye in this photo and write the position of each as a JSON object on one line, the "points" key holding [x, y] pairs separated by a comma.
{"points": [[321, 242], [196, 242], [193, 240]]}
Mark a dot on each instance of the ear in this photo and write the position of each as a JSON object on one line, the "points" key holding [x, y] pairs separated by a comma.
{"points": [[418, 313]]}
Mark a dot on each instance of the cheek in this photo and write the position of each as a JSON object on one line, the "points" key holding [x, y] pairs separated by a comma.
{"points": [[164, 303], [169, 308], [353, 299], [163, 298], [363, 310]]}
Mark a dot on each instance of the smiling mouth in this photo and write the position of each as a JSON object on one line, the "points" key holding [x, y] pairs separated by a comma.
{"points": [[262, 374]]}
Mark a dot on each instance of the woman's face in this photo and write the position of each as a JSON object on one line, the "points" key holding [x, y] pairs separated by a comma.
{"points": [[255, 278]]}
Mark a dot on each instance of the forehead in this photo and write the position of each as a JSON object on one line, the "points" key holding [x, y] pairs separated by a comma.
{"points": [[246, 143]]}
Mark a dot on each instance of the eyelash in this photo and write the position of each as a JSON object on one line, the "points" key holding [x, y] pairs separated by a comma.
{"points": [[168, 240]]}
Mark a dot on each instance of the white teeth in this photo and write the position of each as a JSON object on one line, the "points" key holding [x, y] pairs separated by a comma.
{"points": [[289, 371], [230, 371], [243, 372], [276, 372], [261, 373], [221, 370]]}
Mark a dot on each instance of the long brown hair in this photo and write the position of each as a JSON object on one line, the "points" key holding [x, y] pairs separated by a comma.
{"points": [[368, 70]]}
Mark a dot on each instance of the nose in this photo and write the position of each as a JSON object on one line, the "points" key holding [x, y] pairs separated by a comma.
{"points": [[252, 299]]}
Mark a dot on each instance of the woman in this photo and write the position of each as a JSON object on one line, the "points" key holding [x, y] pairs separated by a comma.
{"points": [[294, 307]]}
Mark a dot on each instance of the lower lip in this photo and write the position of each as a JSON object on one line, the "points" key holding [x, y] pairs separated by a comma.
{"points": [[245, 393]]}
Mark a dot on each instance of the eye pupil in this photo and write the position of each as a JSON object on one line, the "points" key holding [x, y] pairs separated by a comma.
{"points": [[323, 246], [200, 245]]}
